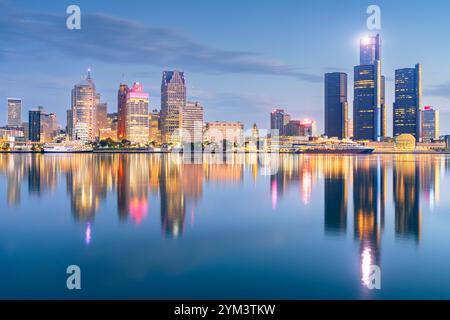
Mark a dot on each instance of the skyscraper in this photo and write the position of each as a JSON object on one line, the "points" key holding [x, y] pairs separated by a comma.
{"points": [[173, 100], [154, 126], [369, 112], [69, 125], [301, 128], [34, 123], [43, 127], [383, 108], [49, 126], [408, 102], [192, 122], [102, 116], [336, 105], [430, 124], [137, 115], [122, 111], [14, 112], [84, 108], [370, 50], [278, 121]]}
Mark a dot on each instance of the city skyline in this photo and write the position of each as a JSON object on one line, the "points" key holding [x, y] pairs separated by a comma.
{"points": [[253, 81]]}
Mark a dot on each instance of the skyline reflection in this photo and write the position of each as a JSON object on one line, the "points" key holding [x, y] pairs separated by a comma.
{"points": [[179, 182], [357, 195]]}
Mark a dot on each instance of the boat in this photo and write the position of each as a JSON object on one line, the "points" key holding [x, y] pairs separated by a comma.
{"points": [[61, 148], [333, 149]]}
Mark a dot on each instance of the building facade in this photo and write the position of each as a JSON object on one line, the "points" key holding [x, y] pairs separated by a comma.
{"points": [[192, 118], [14, 112], [42, 127], [84, 109], [49, 127], [173, 100], [336, 105], [301, 128], [122, 111], [408, 102], [369, 109], [34, 123], [430, 124], [137, 115], [278, 122], [154, 133], [219, 131], [102, 116], [69, 123]]}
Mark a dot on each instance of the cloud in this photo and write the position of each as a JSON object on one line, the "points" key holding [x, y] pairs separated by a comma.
{"points": [[115, 40], [442, 90]]}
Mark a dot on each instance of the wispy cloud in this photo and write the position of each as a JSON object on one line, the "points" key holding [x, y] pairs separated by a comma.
{"points": [[111, 39], [442, 90]]}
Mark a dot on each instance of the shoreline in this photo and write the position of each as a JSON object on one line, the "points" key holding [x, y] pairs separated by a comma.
{"points": [[229, 152]]}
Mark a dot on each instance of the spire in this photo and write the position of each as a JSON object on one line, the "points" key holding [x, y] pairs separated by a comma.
{"points": [[88, 74]]}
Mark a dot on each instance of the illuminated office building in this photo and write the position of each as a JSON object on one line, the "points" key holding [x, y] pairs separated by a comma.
{"points": [[173, 100], [154, 126], [430, 124], [122, 111], [84, 108], [137, 115], [301, 128], [102, 116], [408, 102], [42, 127], [369, 108], [278, 121], [192, 122]]}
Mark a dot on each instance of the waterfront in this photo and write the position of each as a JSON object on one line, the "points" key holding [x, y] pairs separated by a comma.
{"points": [[179, 227]]}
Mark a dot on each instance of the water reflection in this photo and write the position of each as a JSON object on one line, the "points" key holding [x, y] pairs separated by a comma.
{"points": [[408, 214], [336, 172], [357, 194]]}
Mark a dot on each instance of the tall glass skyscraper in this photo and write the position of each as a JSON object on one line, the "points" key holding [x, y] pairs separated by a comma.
{"points": [[408, 102], [369, 111], [370, 50], [173, 100], [34, 125], [336, 105]]}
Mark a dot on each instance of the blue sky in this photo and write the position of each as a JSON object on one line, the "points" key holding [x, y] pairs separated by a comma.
{"points": [[241, 58]]}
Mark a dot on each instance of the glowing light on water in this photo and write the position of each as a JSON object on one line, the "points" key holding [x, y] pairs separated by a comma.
{"points": [[138, 209], [274, 194], [306, 185], [366, 263], [88, 233]]}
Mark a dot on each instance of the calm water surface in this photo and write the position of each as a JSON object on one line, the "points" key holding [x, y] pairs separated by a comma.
{"points": [[176, 227]]}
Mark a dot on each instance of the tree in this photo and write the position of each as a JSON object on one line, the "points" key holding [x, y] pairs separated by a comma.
{"points": [[126, 143]]}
